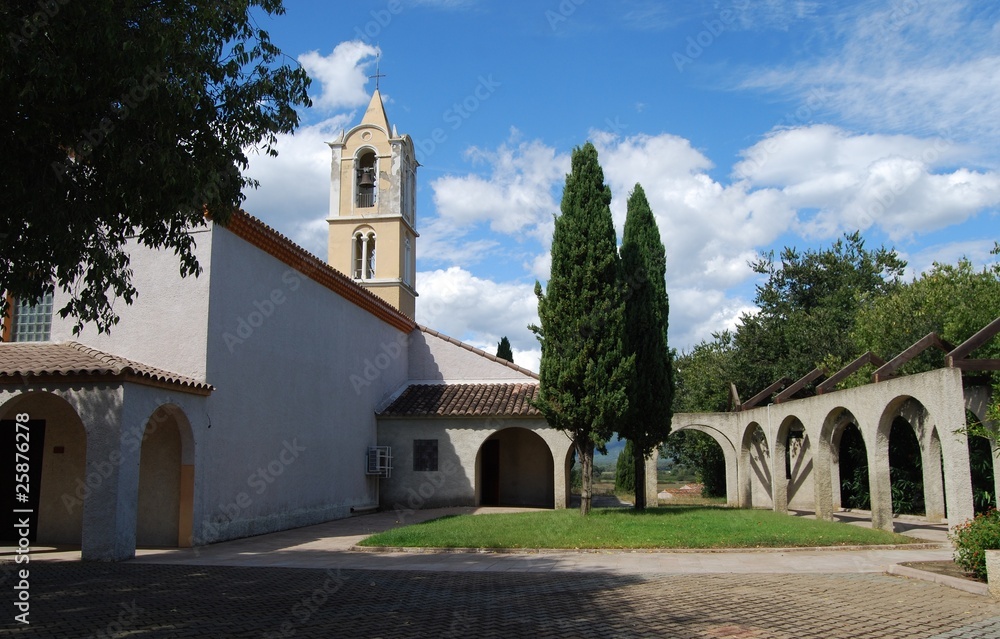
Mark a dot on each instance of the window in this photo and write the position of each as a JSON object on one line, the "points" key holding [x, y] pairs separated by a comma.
{"points": [[32, 322], [407, 271], [409, 197], [363, 256], [366, 169], [425, 455]]}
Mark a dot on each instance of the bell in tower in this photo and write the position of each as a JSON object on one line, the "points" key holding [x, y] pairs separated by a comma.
{"points": [[373, 208]]}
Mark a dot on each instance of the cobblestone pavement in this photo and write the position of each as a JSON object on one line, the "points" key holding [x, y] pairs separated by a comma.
{"points": [[144, 600]]}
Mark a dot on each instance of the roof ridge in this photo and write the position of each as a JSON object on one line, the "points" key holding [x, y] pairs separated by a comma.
{"points": [[499, 399], [113, 361], [478, 351], [98, 362], [254, 231]]}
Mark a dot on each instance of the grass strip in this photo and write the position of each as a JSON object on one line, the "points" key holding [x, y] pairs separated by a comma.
{"points": [[664, 527]]}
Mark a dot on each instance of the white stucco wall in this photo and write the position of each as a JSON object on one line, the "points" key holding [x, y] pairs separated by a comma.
{"points": [[434, 359], [99, 496], [166, 325], [298, 372], [459, 441]]}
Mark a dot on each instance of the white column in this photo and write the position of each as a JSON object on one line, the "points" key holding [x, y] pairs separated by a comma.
{"points": [[364, 258]]}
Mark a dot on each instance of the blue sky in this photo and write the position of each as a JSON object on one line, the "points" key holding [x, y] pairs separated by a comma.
{"points": [[751, 125]]}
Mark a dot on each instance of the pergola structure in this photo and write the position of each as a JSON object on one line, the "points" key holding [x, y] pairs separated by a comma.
{"points": [[785, 452]]}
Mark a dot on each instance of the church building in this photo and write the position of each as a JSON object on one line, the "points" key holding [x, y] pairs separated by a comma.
{"points": [[273, 391]]}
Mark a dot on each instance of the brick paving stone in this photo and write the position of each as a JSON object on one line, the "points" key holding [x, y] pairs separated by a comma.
{"points": [[75, 600]]}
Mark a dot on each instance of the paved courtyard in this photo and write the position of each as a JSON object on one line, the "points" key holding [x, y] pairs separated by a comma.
{"points": [[311, 582], [72, 599]]}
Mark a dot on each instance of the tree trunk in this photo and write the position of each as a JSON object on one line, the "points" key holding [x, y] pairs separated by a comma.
{"points": [[586, 453], [640, 478]]}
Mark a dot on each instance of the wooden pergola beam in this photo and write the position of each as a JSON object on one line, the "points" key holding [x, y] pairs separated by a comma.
{"points": [[735, 403], [888, 370], [959, 356], [767, 392], [808, 378], [830, 384], [976, 364]]}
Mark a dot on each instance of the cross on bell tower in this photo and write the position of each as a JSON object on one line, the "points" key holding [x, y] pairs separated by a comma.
{"points": [[378, 75], [372, 232]]}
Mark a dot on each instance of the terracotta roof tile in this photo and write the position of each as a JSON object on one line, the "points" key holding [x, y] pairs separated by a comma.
{"points": [[70, 360], [465, 400], [254, 231]]}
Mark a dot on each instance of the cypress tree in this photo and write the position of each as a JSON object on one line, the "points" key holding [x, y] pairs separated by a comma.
{"points": [[651, 388], [584, 369], [625, 470], [504, 351]]}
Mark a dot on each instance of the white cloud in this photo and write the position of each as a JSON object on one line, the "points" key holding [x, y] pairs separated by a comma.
{"points": [[855, 181], [710, 230], [515, 197], [477, 310], [294, 193], [695, 314], [341, 74], [976, 251], [904, 66], [442, 243]]}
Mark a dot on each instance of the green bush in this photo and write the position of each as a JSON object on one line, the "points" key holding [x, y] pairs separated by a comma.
{"points": [[625, 471], [972, 540]]}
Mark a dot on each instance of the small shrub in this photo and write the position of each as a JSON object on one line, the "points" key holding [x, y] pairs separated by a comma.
{"points": [[972, 540]]}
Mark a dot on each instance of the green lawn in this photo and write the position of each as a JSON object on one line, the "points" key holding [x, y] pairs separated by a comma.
{"points": [[665, 527]]}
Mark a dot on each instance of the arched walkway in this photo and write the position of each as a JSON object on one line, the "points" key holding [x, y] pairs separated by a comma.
{"points": [[773, 465], [58, 447], [792, 466], [514, 467], [166, 480], [725, 444]]}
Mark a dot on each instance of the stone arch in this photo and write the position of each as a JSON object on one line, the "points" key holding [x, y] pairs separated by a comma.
{"points": [[901, 409], [363, 253], [366, 177], [514, 467], [827, 456], [165, 504], [934, 501], [728, 452], [792, 463], [61, 451], [755, 477]]}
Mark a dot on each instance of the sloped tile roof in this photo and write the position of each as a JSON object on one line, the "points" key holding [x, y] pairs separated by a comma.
{"points": [[66, 361], [465, 400], [255, 232]]}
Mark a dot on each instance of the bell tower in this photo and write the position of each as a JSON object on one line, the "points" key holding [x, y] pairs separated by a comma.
{"points": [[373, 180]]}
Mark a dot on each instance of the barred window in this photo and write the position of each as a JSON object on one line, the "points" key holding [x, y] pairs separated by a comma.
{"points": [[33, 321], [425, 455]]}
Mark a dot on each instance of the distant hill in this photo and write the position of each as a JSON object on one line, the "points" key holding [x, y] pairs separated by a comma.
{"points": [[614, 447]]}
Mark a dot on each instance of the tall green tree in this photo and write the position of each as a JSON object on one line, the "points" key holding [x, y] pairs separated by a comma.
{"points": [[625, 470], [952, 300], [504, 350], [128, 118], [808, 306], [584, 369], [651, 388]]}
